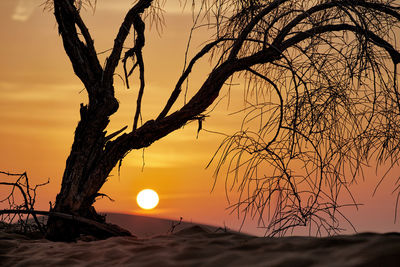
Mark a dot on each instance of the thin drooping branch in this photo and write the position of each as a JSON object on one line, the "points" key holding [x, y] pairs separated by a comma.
{"points": [[325, 6], [328, 127], [250, 26], [281, 105], [114, 58], [395, 55], [136, 50]]}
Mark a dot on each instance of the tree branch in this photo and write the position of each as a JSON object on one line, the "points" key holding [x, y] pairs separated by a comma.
{"points": [[139, 27], [112, 61], [175, 93], [249, 27], [377, 6], [152, 130], [280, 106], [369, 35], [83, 56]]}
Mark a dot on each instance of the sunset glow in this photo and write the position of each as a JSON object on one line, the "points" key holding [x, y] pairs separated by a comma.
{"points": [[40, 97]]}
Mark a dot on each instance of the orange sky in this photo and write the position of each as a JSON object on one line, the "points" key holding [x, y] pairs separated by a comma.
{"points": [[39, 109]]}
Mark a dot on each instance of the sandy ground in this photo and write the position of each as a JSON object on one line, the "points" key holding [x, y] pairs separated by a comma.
{"points": [[202, 246]]}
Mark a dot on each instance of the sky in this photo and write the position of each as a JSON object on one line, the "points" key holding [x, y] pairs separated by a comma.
{"points": [[39, 110]]}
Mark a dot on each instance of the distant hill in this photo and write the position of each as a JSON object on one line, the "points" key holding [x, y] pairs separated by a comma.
{"points": [[144, 226]]}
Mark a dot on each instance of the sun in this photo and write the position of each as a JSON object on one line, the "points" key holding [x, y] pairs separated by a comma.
{"points": [[147, 199]]}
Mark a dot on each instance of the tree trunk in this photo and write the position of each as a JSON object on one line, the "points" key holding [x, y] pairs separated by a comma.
{"points": [[85, 173]]}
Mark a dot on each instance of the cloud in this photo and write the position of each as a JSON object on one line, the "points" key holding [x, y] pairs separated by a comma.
{"points": [[23, 10], [171, 7]]}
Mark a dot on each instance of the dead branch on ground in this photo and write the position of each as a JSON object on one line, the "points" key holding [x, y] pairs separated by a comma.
{"points": [[21, 200]]}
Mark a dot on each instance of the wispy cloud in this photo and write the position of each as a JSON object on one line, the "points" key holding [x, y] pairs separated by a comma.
{"points": [[171, 7], [23, 10]]}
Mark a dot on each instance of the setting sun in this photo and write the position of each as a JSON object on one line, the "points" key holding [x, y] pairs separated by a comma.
{"points": [[147, 199]]}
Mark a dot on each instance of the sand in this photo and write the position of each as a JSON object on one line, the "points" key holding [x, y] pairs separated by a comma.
{"points": [[199, 245]]}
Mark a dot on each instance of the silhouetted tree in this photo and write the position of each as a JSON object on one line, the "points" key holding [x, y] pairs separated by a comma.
{"points": [[329, 96]]}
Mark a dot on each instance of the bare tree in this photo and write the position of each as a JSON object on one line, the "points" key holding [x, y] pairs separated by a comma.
{"points": [[324, 110], [328, 91], [20, 207]]}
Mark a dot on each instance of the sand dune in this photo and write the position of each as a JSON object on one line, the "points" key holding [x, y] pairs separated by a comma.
{"points": [[147, 226], [202, 246]]}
